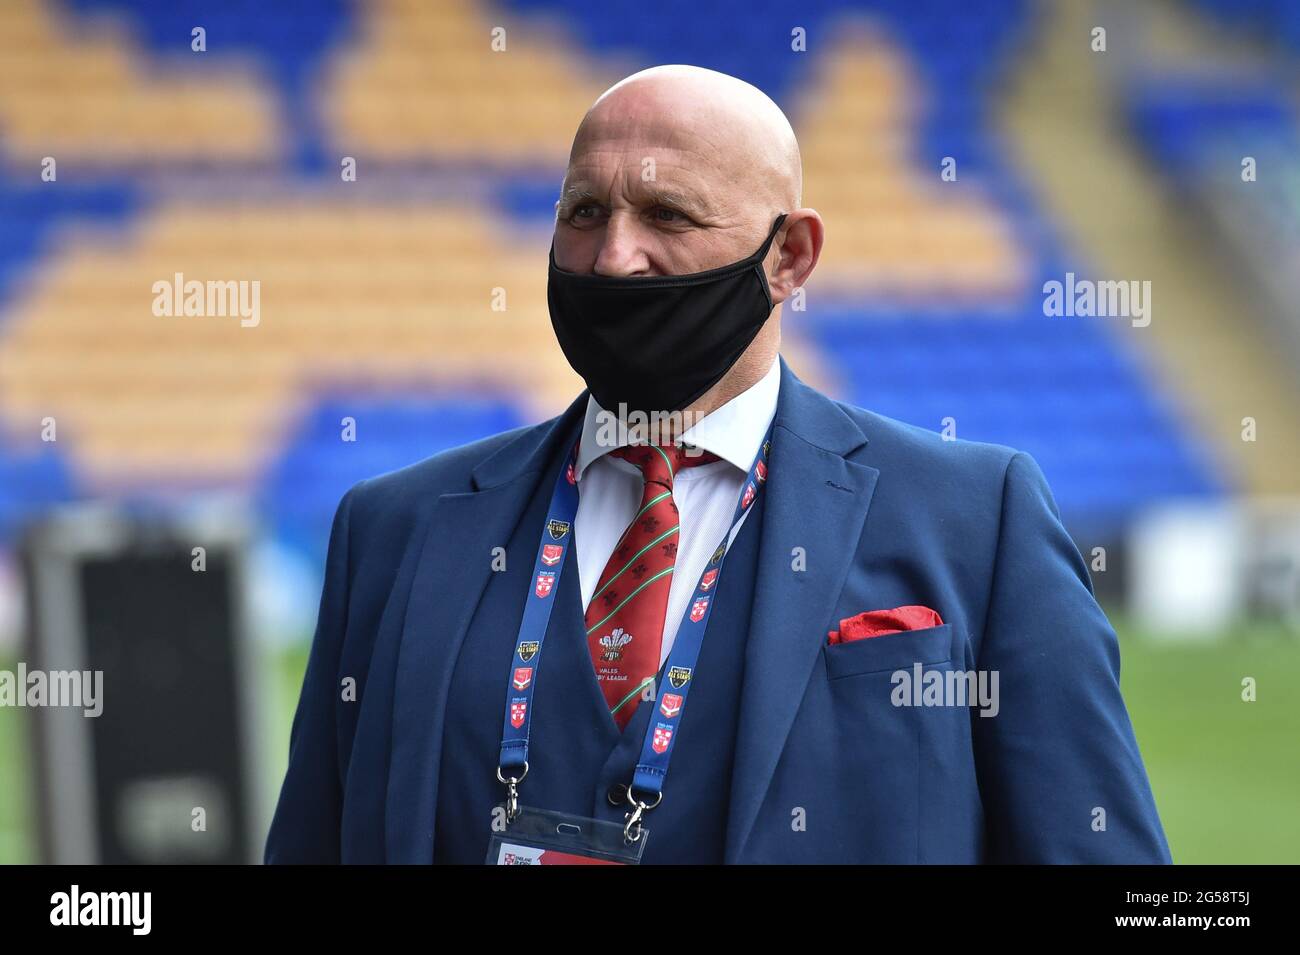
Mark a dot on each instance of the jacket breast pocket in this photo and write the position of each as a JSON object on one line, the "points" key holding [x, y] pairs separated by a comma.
{"points": [[892, 651]]}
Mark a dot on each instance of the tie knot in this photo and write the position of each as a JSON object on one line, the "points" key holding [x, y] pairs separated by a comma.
{"points": [[660, 464]]}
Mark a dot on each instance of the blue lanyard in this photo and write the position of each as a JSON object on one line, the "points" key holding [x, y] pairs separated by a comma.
{"points": [[557, 538], [556, 541]]}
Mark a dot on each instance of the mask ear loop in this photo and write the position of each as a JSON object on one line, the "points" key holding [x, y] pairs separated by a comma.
{"points": [[761, 254], [771, 236]]}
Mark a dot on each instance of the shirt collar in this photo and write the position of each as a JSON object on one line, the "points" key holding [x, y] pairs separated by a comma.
{"points": [[733, 432]]}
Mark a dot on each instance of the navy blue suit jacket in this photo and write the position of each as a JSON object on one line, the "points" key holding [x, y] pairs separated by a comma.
{"points": [[882, 514]]}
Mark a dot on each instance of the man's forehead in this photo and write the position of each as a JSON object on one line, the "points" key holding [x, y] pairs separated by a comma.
{"points": [[651, 120], [674, 151]]}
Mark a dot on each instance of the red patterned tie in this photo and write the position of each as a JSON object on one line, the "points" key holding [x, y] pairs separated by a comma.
{"points": [[625, 619]]}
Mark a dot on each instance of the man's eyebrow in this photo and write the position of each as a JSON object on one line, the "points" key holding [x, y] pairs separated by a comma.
{"points": [[654, 194], [681, 201], [572, 195]]}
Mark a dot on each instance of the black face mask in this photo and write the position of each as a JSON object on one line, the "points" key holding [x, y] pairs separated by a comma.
{"points": [[658, 343]]}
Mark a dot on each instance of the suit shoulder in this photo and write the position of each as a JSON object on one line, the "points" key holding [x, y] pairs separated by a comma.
{"points": [[922, 451], [934, 491]]}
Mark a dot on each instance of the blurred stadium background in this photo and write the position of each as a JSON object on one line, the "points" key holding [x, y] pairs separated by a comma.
{"points": [[377, 300]]}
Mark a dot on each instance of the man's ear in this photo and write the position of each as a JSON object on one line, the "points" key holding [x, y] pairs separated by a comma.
{"points": [[800, 241]]}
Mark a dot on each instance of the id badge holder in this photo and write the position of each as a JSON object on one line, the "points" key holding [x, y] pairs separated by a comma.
{"points": [[544, 837]]}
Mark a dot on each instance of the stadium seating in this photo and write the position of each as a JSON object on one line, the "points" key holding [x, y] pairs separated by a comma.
{"points": [[377, 296]]}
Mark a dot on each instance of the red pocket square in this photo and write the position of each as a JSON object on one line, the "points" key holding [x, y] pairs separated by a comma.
{"points": [[876, 623]]}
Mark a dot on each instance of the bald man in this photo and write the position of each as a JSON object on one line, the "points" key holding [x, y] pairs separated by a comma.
{"points": [[886, 643]]}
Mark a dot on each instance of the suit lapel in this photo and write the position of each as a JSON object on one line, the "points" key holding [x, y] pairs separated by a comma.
{"points": [[817, 501], [444, 594]]}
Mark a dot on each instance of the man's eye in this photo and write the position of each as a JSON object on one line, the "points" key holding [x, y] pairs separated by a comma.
{"points": [[584, 211], [664, 214]]}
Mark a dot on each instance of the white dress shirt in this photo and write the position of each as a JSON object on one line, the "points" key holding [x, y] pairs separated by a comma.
{"points": [[609, 493]]}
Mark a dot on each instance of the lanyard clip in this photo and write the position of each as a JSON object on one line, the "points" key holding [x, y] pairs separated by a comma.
{"points": [[632, 831], [512, 792]]}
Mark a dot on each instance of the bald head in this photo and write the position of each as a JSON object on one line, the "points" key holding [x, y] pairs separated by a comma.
{"points": [[675, 169], [748, 135]]}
